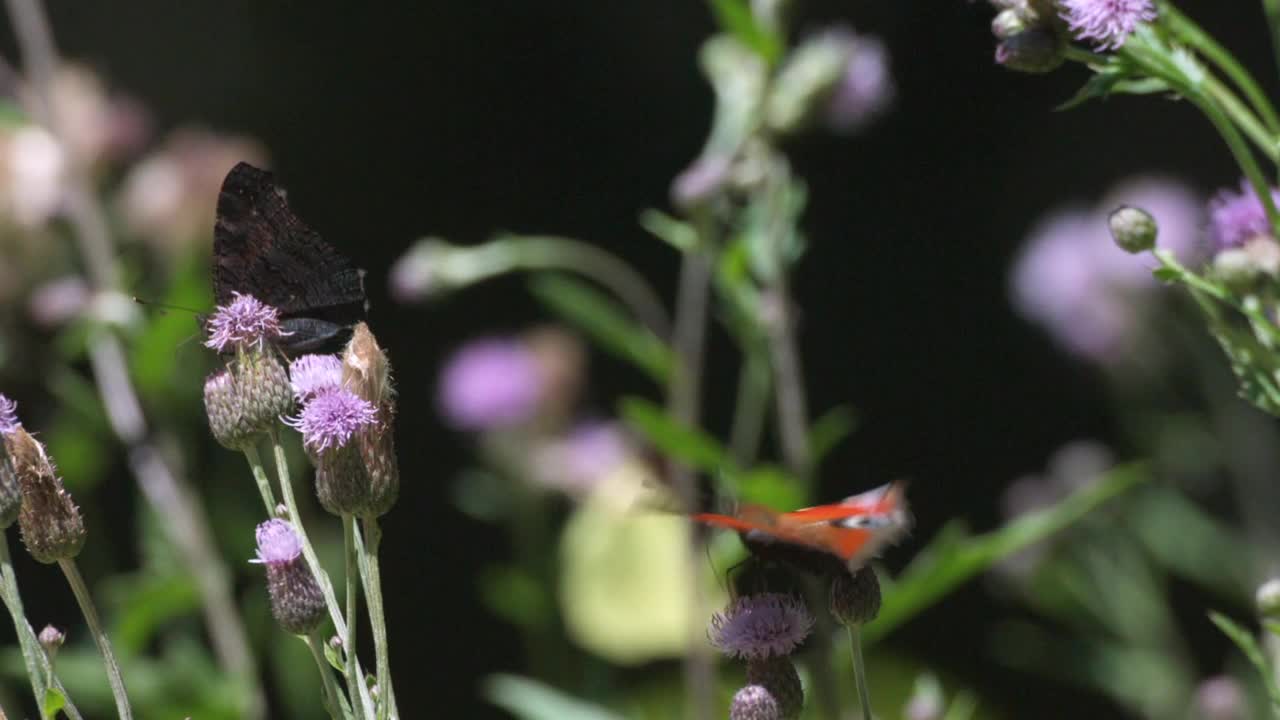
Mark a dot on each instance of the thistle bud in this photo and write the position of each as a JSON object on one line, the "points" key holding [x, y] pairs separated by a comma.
{"points": [[10, 491], [1133, 229], [1241, 268], [245, 400], [49, 521], [855, 597], [755, 702], [367, 373], [1268, 598], [330, 424], [778, 676], [51, 638], [296, 600]]}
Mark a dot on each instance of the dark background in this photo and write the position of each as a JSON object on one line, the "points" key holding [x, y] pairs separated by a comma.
{"points": [[457, 118]]}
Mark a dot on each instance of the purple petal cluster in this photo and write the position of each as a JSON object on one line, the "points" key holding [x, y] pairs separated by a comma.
{"points": [[757, 627], [245, 322], [311, 375], [491, 383], [1237, 217], [332, 418], [577, 462], [1108, 23], [278, 544], [8, 415], [1073, 280], [865, 89]]}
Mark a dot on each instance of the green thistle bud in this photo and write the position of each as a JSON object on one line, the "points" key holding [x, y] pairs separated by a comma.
{"points": [[245, 400], [778, 676], [10, 491], [49, 520], [1242, 268], [855, 597], [1268, 598], [1133, 229]]}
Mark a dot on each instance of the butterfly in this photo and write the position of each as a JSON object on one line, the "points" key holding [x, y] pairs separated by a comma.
{"points": [[827, 539], [261, 248]]}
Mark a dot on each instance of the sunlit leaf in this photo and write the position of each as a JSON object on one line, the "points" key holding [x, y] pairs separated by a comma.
{"points": [[528, 699]]}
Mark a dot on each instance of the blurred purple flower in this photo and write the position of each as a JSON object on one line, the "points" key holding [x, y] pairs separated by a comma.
{"points": [[278, 544], [311, 375], [491, 383], [8, 415], [244, 322], [332, 418], [1235, 218], [58, 301], [577, 462], [758, 627], [1107, 22], [866, 88], [701, 180], [1221, 698], [1071, 278]]}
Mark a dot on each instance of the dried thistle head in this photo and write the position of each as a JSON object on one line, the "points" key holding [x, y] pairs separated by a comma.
{"points": [[49, 520]]}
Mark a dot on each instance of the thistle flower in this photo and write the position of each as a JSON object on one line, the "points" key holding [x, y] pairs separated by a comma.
{"points": [[309, 375], [329, 423], [296, 600], [577, 462], [491, 383], [758, 627], [367, 371], [1108, 23], [49, 520], [244, 323], [865, 88], [855, 597], [1237, 217]]}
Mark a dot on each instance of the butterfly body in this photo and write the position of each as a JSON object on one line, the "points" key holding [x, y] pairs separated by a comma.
{"points": [[261, 248], [826, 539]]}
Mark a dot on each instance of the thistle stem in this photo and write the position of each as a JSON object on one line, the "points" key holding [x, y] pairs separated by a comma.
{"points": [[37, 662], [353, 598], [114, 677], [260, 475], [860, 670], [313, 562], [378, 617], [331, 692]]}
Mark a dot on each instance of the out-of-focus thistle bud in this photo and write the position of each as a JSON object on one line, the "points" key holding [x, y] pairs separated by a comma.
{"points": [[755, 702], [50, 522], [1241, 268], [778, 676], [10, 490], [367, 373], [296, 600], [855, 597], [1032, 37], [1268, 598], [1133, 229], [51, 638]]}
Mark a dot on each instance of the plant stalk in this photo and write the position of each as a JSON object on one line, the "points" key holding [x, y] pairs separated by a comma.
{"points": [[90, 612]]}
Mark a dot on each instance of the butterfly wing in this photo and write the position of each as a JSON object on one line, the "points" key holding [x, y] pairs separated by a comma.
{"points": [[261, 248]]}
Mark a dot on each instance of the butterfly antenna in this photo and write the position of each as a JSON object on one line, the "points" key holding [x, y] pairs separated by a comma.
{"points": [[163, 306]]}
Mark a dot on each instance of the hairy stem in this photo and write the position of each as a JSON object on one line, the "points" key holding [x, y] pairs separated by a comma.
{"points": [[331, 693], [378, 617], [352, 580], [90, 612], [260, 476], [860, 671]]}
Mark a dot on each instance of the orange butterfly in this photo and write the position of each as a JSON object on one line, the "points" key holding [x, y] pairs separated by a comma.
{"points": [[826, 539]]}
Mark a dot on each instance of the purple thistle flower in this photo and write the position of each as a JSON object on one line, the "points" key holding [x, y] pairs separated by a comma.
{"points": [[491, 383], [311, 375], [1235, 218], [8, 415], [245, 322], [332, 418], [865, 89], [577, 462], [278, 544], [757, 627], [1107, 22]]}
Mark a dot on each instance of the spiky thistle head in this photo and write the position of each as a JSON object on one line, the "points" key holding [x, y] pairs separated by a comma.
{"points": [[244, 323], [1108, 23], [310, 375], [757, 627], [297, 602]]}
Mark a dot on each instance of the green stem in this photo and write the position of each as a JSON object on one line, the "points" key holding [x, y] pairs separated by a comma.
{"points": [[313, 562], [860, 671], [1192, 34], [331, 692], [114, 677], [1263, 138], [1272, 10], [260, 475], [378, 617], [751, 408], [39, 669], [354, 680]]}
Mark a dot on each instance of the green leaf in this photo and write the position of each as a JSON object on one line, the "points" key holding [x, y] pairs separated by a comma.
{"points": [[1272, 627], [1166, 274], [770, 486], [1248, 645], [736, 18], [829, 430], [954, 556], [600, 317], [516, 596], [54, 701], [676, 233], [331, 656], [530, 699], [691, 446]]}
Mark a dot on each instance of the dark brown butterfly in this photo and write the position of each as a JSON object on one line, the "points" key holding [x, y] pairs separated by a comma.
{"points": [[261, 248]]}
